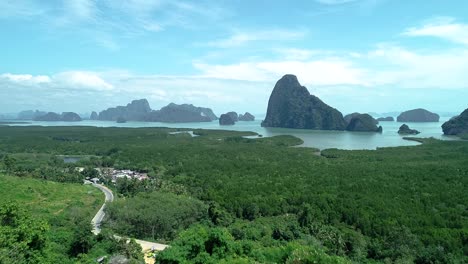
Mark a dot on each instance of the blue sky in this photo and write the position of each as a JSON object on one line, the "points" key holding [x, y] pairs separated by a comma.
{"points": [[356, 55]]}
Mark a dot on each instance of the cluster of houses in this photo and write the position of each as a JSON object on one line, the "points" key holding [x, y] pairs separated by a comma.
{"points": [[115, 174]]}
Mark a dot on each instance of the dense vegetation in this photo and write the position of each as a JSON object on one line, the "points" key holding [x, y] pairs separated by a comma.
{"points": [[48, 222], [260, 200]]}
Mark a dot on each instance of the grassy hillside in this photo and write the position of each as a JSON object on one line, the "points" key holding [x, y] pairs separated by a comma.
{"points": [[49, 200]]}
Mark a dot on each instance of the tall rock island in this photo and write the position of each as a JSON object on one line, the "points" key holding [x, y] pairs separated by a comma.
{"points": [[457, 125], [292, 106], [137, 110]]}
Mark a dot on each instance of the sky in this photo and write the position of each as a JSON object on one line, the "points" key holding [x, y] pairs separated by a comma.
{"points": [[356, 55]]}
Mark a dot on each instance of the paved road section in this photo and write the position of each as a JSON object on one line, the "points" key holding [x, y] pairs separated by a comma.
{"points": [[97, 220]]}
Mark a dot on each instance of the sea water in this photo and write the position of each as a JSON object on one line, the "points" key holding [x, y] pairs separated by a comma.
{"points": [[322, 139]]}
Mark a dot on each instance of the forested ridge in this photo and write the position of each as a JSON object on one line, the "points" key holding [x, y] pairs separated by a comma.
{"points": [[219, 197]]}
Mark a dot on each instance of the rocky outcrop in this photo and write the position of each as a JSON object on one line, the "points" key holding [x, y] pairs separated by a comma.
{"points": [[137, 110], [292, 106], [30, 114], [184, 113], [387, 119], [418, 115], [457, 125], [246, 117], [363, 123], [348, 117], [226, 120], [405, 130], [70, 117], [94, 116], [233, 116], [53, 117]]}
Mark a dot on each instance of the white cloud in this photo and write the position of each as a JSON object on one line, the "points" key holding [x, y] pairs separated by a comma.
{"points": [[412, 69], [117, 20], [25, 78], [387, 64], [81, 80], [329, 71], [441, 27], [86, 91], [242, 38]]}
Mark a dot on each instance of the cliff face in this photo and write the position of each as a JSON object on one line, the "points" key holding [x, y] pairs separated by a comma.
{"points": [[363, 123], [233, 116], [94, 116], [30, 114], [134, 111], [139, 110], [184, 113], [418, 115], [65, 116], [70, 117], [457, 125], [292, 106], [246, 117], [226, 120], [348, 117]]}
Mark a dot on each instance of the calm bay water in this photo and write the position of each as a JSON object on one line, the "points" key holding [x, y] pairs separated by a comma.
{"points": [[311, 138]]}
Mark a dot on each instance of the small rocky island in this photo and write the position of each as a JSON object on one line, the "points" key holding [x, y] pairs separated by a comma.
{"points": [[230, 118], [94, 116], [246, 117], [233, 116], [54, 117], [405, 130], [30, 114], [418, 115], [137, 110], [386, 119], [184, 113], [292, 106], [226, 120], [362, 123], [457, 125]]}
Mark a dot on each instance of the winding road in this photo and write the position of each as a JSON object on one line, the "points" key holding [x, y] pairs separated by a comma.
{"points": [[97, 220]]}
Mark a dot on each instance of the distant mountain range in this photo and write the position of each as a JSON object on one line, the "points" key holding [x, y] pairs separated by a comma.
{"points": [[140, 110]]}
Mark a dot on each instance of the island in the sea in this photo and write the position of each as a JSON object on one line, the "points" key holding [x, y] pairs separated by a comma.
{"points": [[65, 116], [386, 119], [406, 130], [418, 115], [140, 110], [457, 125], [292, 106]]}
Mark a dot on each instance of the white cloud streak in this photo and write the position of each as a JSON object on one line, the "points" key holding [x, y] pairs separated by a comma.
{"points": [[443, 27], [241, 38]]}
